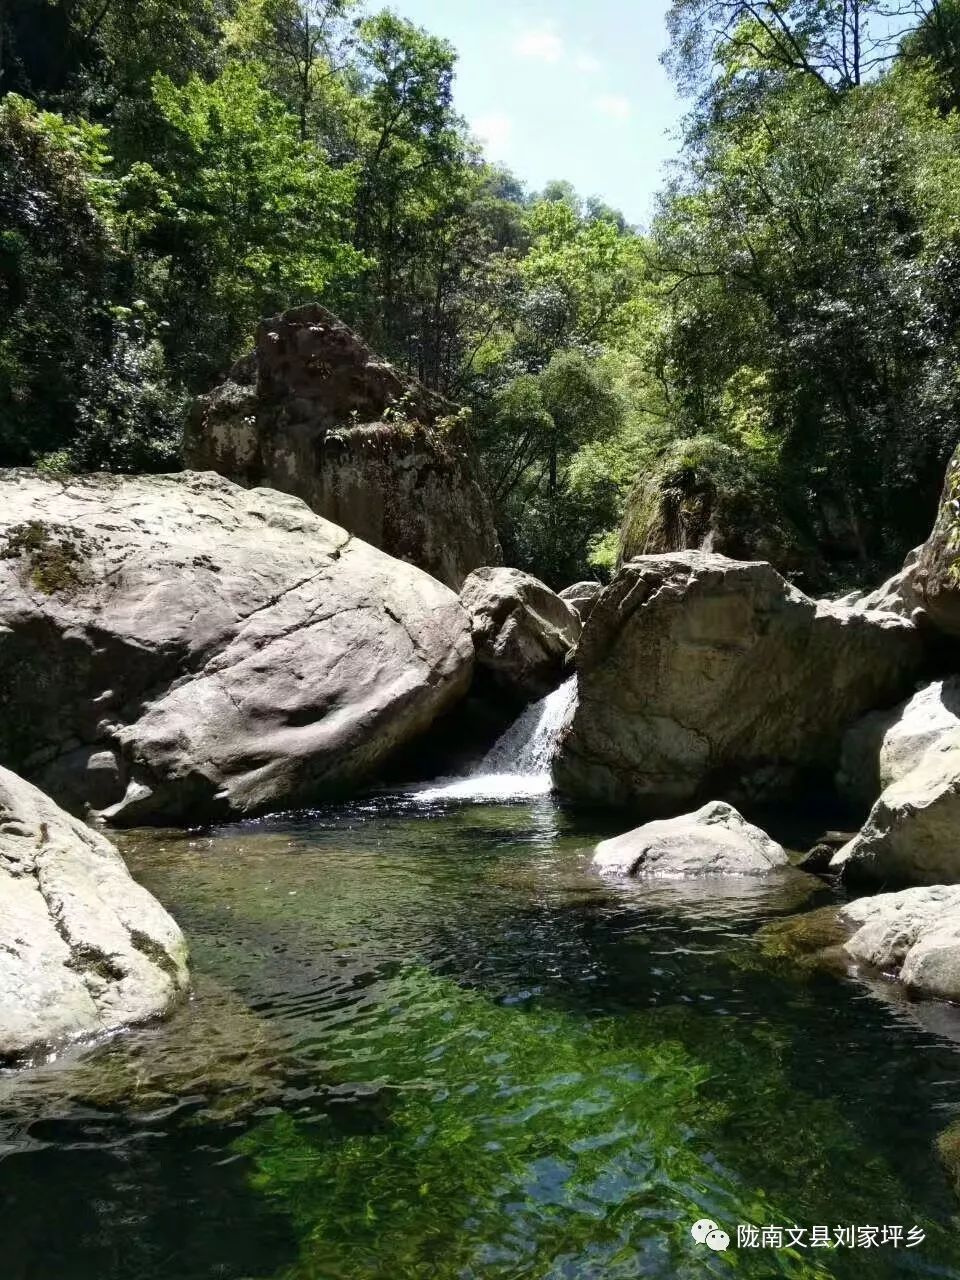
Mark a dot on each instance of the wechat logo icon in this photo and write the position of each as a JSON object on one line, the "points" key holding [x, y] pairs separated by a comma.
{"points": [[705, 1231]]}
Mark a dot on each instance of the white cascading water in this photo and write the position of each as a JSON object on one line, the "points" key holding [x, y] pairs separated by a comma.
{"points": [[517, 766]]}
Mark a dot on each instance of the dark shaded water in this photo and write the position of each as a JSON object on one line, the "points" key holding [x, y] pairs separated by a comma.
{"points": [[433, 1045]]}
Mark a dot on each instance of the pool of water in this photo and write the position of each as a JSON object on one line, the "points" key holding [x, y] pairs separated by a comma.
{"points": [[428, 1042]]}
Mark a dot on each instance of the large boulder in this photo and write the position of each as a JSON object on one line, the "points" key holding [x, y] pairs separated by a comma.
{"points": [[701, 676], [716, 840], [312, 411], [911, 835], [176, 647], [914, 934], [83, 948], [885, 746], [704, 495], [523, 632]]}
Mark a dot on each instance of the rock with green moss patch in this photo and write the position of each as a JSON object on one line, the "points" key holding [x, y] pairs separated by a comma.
{"points": [[223, 651], [704, 494]]}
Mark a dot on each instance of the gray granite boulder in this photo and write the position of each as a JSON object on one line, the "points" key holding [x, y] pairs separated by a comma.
{"points": [[885, 746], [524, 633], [229, 649], [912, 835], [913, 935], [716, 840], [83, 948], [703, 677]]}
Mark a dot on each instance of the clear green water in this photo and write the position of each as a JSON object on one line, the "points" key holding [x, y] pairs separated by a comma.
{"points": [[433, 1045]]}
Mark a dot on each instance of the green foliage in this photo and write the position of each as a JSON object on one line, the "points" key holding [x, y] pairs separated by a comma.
{"points": [[77, 374], [189, 166], [242, 216], [808, 268], [532, 436]]}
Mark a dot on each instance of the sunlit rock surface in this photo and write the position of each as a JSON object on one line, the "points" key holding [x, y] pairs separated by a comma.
{"points": [[83, 948], [227, 649]]}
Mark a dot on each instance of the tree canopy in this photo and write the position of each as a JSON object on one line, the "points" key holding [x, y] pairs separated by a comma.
{"points": [[172, 170]]}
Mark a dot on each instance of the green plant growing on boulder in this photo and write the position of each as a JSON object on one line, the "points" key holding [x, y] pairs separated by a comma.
{"points": [[55, 556]]}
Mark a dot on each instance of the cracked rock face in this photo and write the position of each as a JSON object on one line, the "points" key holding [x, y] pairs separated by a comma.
{"points": [[703, 677], [83, 948], [176, 648], [314, 412]]}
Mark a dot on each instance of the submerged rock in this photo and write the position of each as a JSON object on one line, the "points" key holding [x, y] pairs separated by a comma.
{"points": [[211, 1048], [231, 650], [885, 746], [314, 412], [701, 676], [911, 835], [83, 948], [716, 840], [523, 631], [914, 934]]}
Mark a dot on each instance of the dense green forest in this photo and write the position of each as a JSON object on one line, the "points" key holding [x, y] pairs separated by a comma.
{"points": [[786, 333]]}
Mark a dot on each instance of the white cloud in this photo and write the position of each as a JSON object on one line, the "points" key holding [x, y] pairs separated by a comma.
{"points": [[588, 63], [615, 106], [539, 44], [494, 131]]}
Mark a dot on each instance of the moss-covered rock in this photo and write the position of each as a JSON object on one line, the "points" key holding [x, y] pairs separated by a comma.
{"points": [[704, 494]]}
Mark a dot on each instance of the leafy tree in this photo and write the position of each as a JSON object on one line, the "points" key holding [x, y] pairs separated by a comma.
{"points": [[241, 217], [81, 374]]}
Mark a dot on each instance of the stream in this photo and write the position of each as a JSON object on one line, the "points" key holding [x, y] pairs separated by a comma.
{"points": [[426, 1041]]}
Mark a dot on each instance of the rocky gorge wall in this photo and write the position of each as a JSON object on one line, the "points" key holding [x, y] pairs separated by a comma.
{"points": [[313, 412]]}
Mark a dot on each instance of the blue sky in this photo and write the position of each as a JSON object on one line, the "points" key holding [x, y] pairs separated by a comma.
{"points": [[565, 89]]}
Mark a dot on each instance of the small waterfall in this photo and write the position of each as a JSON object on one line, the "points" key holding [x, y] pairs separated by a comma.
{"points": [[517, 766]]}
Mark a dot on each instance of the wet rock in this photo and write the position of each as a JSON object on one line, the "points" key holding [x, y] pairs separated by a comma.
{"points": [[818, 858], [229, 648], [523, 631], [83, 948], [314, 412], [807, 942], [716, 840], [701, 676], [913, 934]]}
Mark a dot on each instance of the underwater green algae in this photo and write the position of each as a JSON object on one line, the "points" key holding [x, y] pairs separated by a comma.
{"points": [[502, 1141], [436, 1046]]}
